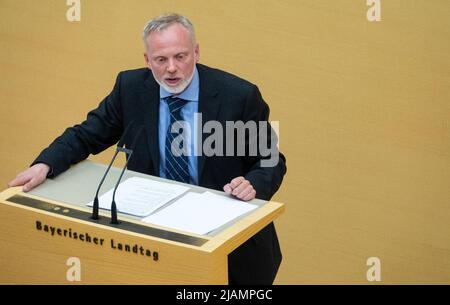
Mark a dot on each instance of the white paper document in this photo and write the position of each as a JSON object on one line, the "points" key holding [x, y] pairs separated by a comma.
{"points": [[199, 213], [140, 197]]}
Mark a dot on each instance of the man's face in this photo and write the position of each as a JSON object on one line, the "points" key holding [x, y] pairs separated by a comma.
{"points": [[171, 55]]}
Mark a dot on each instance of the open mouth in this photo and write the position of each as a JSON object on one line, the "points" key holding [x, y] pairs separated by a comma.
{"points": [[172, 80]]}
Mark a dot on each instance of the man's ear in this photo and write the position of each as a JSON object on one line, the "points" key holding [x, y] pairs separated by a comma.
{"points": [[147, 61], [197, 53]]}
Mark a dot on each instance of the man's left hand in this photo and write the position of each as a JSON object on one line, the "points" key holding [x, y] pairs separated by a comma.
{"points": [[240, 188]]}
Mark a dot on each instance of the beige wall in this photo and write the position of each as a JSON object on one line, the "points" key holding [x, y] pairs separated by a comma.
{"points": [[363, 107]]}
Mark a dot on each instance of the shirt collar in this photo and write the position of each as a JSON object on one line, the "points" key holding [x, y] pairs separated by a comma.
{"points": [[189, 94]]}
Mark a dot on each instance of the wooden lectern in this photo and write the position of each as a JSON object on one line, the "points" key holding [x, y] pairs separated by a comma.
{"points": [[47, 235]]}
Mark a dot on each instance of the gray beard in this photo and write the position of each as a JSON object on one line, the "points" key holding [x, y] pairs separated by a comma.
{"points": [[178, 89]]}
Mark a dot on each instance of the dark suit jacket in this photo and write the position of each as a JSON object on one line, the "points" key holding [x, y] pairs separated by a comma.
{"points": [[223, 97]]}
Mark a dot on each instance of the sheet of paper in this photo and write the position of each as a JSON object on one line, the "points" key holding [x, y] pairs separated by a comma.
{"points": [[199, 213], [140, 197]]}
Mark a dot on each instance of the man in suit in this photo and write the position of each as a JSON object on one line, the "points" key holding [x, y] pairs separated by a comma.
{"points": [[173, 89]]}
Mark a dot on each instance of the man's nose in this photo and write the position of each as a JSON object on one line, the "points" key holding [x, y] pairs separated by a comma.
{"points": [[171, 68]]}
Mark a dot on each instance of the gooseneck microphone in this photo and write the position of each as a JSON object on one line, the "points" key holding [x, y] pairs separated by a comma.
{"points": [[128, 153], [119, 148]]}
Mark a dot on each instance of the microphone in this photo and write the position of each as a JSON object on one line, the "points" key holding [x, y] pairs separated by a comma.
{"points": [[119, 145], [128, 152]]}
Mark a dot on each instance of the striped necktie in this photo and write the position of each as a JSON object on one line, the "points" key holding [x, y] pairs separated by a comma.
{"points": [[176, 163]]}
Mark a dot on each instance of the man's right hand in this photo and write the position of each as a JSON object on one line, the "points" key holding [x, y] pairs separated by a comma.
{"points": [[32, 177]]}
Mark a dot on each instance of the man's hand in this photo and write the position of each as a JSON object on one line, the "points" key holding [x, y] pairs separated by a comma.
{"points": [[240, 188], [32, 177]]}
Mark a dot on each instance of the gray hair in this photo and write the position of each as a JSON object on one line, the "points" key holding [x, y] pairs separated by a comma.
{"points": [[162, 22]]}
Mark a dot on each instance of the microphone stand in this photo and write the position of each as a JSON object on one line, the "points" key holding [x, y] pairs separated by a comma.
{"points": [[95, 205], [128, 152]]}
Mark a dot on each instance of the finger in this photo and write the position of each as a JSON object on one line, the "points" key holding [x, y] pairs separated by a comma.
{"points": [[19, 180], [236, 181], [244, 184], [250, 196], [32, 184], [227, 188], [245, 192]]}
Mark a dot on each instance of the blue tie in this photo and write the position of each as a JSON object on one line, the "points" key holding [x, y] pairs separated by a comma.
{"points": [[176, 164]]}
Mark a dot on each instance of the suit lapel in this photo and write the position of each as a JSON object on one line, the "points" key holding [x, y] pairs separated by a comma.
{"points": [[208, 106], [149, 99]]}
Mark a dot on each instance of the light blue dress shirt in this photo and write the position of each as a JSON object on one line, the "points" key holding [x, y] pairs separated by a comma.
{"points": [[187, 113]]}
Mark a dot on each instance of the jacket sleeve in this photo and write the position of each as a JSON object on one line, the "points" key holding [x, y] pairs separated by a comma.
{"points": [[268, 167], [101, 129]]}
